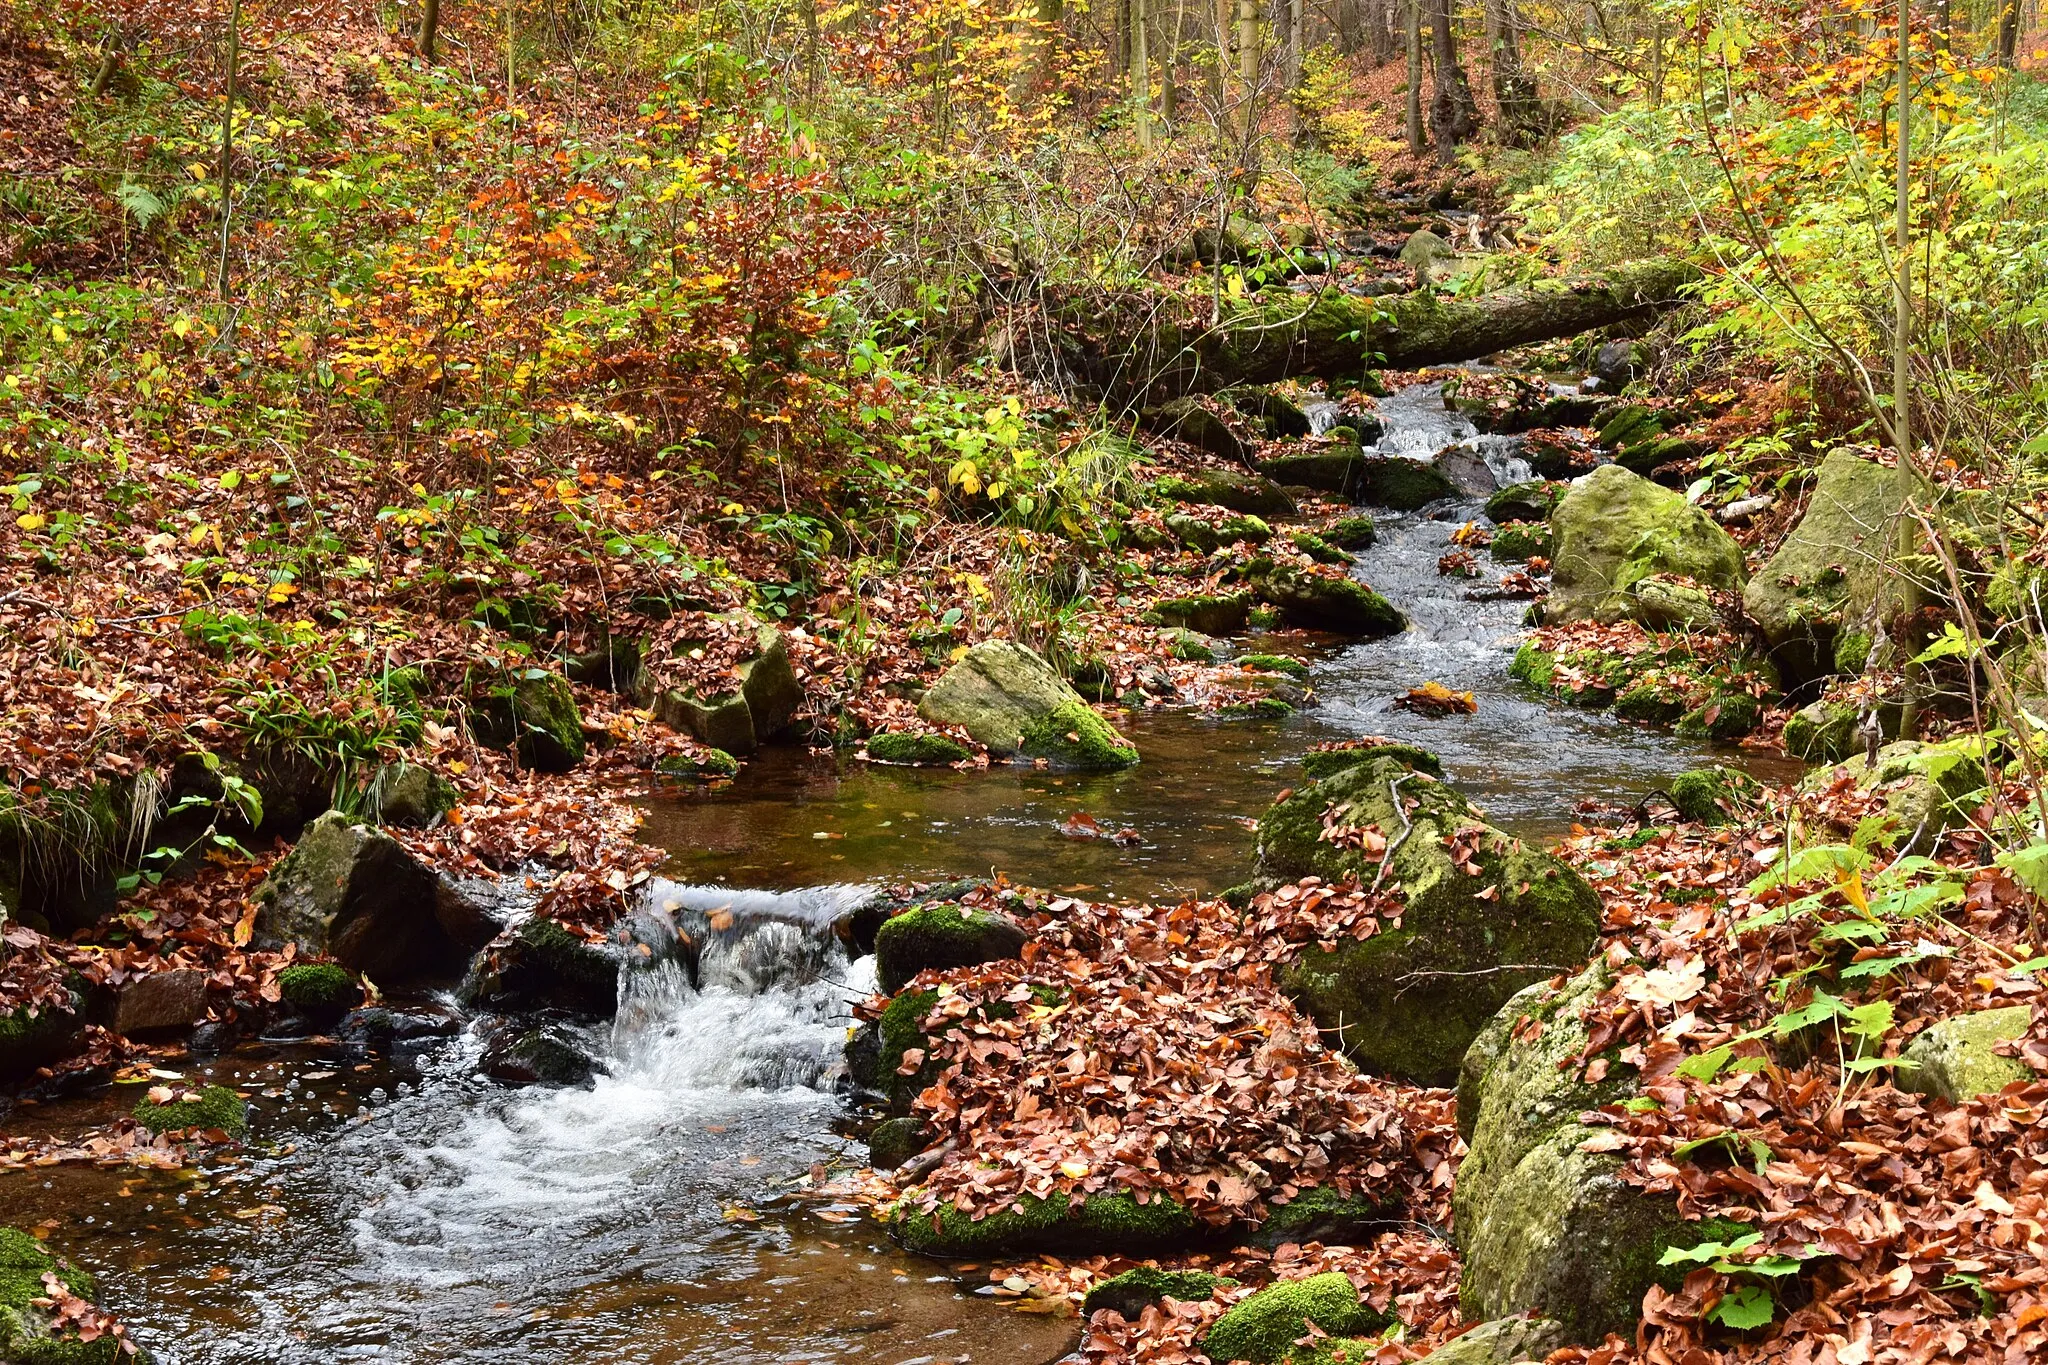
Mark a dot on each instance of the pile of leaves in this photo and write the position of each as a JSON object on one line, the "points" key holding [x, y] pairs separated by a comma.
{"points": [[1147, 1050]]}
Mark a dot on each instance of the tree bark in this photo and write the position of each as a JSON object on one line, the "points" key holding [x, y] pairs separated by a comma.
{"points": [[1141, 75], [430, 27], [1453, 113], [1514, 89], [1416, 139], [1338, 336]]}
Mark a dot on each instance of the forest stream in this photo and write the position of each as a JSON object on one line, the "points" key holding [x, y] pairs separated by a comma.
{"points": [[407, 1210]]}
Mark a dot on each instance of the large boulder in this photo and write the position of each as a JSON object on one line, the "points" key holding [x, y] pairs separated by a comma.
{"points": [[1336, 469], [1409, 1001], [351, 892], [1401, 483], [1957, 1059], [32, 1037], [1280, 415], [938, 936], [541, 965], [1325, 600], [411, 794], [1822, 597], [759, 706], [1013, 703], [1928, 788], [1543, 1224], [1616, 529], [1186, 419], [534, 714], [28, 1331]]}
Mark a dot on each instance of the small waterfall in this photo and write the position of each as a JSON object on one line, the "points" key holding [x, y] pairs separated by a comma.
{"points": [[1322, 414], [1417, 426]]}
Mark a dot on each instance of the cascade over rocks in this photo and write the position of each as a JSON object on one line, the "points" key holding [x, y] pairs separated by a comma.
{"points": [[352, 892], [1615, 530], [1012, 702], [1543, 1225], [1484, 914], [758, 709], [1822, 597]]}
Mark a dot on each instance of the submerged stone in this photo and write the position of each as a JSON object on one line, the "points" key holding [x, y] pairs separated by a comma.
{"points": [[916, 750], [214, 1108]]}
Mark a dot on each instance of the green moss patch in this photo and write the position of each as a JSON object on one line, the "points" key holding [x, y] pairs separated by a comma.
{"points": [[1264, 1327], [1274, 663], [215, 1107], [1132, 1292], [1074, 736], [940, 936], [1320, 763], [1519, 541], [317, 986], [917, 750], [1098, 1223], [1351, 533]]}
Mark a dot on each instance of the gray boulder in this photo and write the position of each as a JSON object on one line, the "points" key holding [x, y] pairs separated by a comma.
{"points": [[1821, 598], [1013, 703], [1957, 1059], [1928, 788], [756, 709], [351, 892], [1504, 1341], [1616, 529]]}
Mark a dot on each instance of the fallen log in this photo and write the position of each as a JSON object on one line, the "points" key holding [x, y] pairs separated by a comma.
{"points": [[1335, 335]]}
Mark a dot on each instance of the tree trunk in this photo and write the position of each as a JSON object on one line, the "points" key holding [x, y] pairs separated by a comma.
{"points": [[1453, 113], [1248, 63], [429, 31], [1336, 336], [227, 144], [1141, 75], [2008, 33], [1295, 9], [1416, 141]]}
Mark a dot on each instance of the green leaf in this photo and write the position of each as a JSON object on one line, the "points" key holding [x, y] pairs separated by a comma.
{"points": [[1744, 1309], [1708, 1251], [1706, 1065]]}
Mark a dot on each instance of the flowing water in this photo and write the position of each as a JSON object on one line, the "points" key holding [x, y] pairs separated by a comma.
{"points": [[416, 1213]]}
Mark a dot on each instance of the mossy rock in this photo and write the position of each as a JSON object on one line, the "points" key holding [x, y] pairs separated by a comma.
{"points": [[1615, 529], [1211, 614], [1928, 788], [411, 794], [1186, 419], [1402, 484], [26, 1336], [1318, 549], [923, 750], [1351, 533], [762, 705], [31, 1040], [1504, 1341], [1320, 763], [1335, 469], [1013, 704], [1192, 646], [895, 1141], [1274, 663], [1409, 1001], [534, 715], [1323, 1215], [1542, 1224], [1956, 1060], [1259, 708], [1264, 1327], [1715, 795], [1831, 731], [1729, 715], [1280, 415], [539, 965], [1132, 1292], [708, 764], [1661, 602], [1337, 603], [1518, 542], [1533, 664], [1525, 502], [1208, 537], [1840, 568], [351, 892], [1651, 699], [1097, 1224], [939, 936], [318, 987], [1251, 494], [217, 1107]]}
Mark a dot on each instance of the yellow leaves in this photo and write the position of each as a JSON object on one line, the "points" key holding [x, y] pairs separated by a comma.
{"points": [[196, 169], [245, 927], [279, 593], [1073, 1170], [197, 535], [31, 521], [230, 481], [1851, 888]]}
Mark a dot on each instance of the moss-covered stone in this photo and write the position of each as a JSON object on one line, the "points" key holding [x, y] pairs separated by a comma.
{"points": [[351, 892], [1728, 715], [1402, 484], [1274, 663], [941, 936], [1327, 601], [707, 763], [26, 1335], [1829, 731], [1097, 1224], [895, 1141], [762, 706], [1504, 1341], [411, 794], [31, 1039], [1209, 613], [1320, 763], [1928, 788], [542, 964], [1525, 502], [216, 1107], [1651, 699], [1351, 533], [1013, 703], [318, 986], [1318, 549], [1533, 664], [1252, 494], [1714, 795], [1192, 646], [1132, 1292], [1205, 536], [1323, 1215], [1840, 568], [1957, 1059], [1409, 1001], [1520, 541], [1615, 529], [1662, 602], [1264, 1327], [535, 715], [917, 750], [1334, 469]]}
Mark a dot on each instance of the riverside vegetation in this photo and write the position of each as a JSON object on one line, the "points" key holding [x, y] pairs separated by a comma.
{"points": [[432, 433]]}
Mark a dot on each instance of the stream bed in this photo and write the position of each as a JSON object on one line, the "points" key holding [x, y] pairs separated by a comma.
{"points": [[413, 1212]]}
